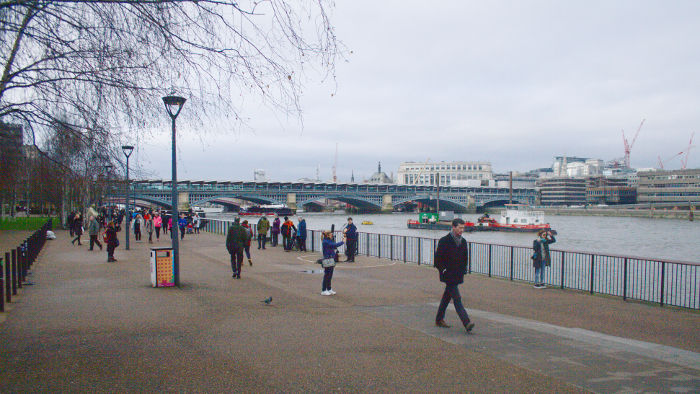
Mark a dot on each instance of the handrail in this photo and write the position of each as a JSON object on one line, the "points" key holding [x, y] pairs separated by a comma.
{"points": [[665, 282]]}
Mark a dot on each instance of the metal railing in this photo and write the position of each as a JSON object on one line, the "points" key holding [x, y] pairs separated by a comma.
{"points": [[660, 281], [17, 263]]}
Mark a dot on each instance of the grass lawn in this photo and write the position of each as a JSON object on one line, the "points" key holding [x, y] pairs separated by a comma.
{"points": [[25, 223]]}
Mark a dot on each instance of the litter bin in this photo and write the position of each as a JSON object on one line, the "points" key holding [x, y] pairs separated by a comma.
{"points": [[162, 267]]}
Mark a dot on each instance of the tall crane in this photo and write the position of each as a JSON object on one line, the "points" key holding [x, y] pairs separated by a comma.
{"points": [[422, 169], [684, 160], [628, 146]]}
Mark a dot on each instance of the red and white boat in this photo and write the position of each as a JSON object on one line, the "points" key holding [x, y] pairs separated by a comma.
{"points": [[516, 217]]}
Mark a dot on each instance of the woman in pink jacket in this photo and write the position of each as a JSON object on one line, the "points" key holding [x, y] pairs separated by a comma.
{"points": [[157, 223]]}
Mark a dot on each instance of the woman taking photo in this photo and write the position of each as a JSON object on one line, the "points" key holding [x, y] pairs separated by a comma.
{"points": [[540, 257], [328, 262]]}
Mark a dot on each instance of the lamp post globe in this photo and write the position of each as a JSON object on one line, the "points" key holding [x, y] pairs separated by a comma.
{"points": [[173, 105], [127, 149]]}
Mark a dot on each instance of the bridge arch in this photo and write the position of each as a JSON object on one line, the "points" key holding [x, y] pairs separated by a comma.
{"points": [[355, 201], [149, 199], [254, 199], [446, 203]]}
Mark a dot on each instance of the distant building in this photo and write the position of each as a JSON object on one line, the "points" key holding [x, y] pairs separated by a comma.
{"points": [[609, 191], [259, 175], [426, 174], [564, 166], [681, 186], [11, 151], [562, 191], [378, 177], [520, 181]]}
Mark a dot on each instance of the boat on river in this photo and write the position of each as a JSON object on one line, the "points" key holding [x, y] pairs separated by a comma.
{"points": [[515, 218], [267, 210]]}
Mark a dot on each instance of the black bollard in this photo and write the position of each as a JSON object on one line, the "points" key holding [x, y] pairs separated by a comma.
{"points": [[14, 271], [2, 286], [8, 278]]}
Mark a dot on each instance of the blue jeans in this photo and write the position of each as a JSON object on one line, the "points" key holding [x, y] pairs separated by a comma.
{"points": [[452, 293], [539, 275], [327, 277]]}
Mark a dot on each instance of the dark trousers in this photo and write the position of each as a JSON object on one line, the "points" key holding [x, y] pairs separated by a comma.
{"points": [[452, 293], [262, 239], [275, 239], [150, 236], [182, 233], [327, 277], [137, 234], [286, 242], [246, 249], [350, 249], [77, 238], [157, 232], [93, 241], [302, 244], [110, 251], [236, 260]]}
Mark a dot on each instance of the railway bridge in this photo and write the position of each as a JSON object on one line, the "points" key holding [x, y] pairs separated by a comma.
{"points": [[375, 197]]}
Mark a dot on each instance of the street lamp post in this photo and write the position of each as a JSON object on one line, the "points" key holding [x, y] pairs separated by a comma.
{"points": [[108, 169], [173, 104], [128, 149]]}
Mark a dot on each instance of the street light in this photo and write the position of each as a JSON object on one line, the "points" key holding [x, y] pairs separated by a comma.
{"points": [[108, 169], [128, 149], [173, 104]]}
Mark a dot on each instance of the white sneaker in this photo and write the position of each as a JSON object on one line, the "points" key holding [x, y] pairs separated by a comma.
{"points": [[331, 292], [325, 292]]}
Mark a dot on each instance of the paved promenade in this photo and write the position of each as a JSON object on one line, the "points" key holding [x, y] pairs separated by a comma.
{"points": [[87, 325]]}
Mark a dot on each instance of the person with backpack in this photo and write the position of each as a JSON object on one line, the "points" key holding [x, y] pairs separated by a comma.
{"points": [[235, 242], [451, 258], [249, 237], [540, 256], [111, 240], [288, 229], [263, 226], [301, 235]]}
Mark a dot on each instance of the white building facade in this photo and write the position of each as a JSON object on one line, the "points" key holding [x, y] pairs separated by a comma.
{"points": [[426, 174]]}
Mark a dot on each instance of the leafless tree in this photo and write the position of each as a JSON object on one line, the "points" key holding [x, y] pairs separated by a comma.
{"points": [[99, 68]]}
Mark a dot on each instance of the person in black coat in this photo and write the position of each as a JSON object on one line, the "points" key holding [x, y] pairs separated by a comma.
{"points": [[451, 258]]}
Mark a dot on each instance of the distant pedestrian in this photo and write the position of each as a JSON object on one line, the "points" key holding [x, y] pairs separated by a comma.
{"points": [[77, 228], [288, 230], [182, 224], [112, 240], [69, 220], [195, 223], [149, 226], [235, 242], [93, 231], [157, 224], [301, 234], [540, 256], [350, 232], [329, 252], [263, 226], [275, 231], [249, 238], [137, 227], [451, 258]]}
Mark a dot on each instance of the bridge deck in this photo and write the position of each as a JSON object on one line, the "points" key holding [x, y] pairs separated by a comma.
{"points": [[87, 325]]}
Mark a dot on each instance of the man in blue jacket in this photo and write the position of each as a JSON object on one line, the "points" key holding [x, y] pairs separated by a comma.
{"points": [[351, 241], [451, 258]]}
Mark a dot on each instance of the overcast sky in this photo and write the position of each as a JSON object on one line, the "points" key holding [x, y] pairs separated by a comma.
{"points": [[511, 82]]}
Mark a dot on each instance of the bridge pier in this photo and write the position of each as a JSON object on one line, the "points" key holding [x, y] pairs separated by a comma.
{"points": [[292, 200], [183, 201], [387, 205]]}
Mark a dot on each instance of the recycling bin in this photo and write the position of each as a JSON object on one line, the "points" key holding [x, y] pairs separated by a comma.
{"points": [[162, 267]]}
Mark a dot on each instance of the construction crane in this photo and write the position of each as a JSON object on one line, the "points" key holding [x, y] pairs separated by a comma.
{"points": [[684, 160], [628, 146], [422, 169]]}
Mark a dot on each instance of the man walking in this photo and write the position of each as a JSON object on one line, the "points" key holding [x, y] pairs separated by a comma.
{"points": [[263, 226], [351, 241], [93, 230], [451, 258], [301, 234], [235, 242]]}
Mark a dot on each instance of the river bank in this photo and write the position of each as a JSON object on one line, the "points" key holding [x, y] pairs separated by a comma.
{"points": [[620, 212]]}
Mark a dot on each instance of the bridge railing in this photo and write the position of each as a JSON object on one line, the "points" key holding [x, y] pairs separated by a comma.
{"points": [[660, 281]]}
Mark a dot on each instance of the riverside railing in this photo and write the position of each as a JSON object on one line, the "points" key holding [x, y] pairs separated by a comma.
{"points": [[664, 282], [17, 263]]}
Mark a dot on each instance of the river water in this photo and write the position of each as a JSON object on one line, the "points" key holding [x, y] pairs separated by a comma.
{"points": [[664, 239]]}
